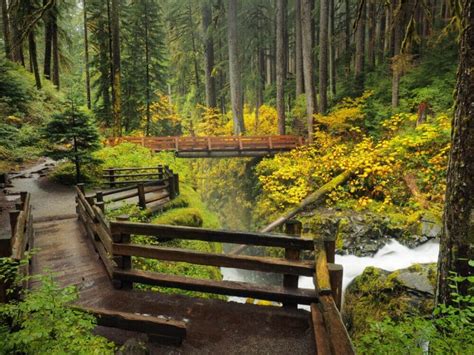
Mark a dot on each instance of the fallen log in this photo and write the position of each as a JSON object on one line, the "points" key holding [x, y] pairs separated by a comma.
{"points": [[311, 199]]}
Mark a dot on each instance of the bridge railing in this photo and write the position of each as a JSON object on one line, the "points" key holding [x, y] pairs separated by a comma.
{"points": [[21, 227], [214, 143], [113, 242]]}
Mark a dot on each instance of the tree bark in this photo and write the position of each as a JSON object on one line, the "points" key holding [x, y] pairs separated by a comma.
{"points": [[34, 58], [208, 55], [457, 240], [147, 71], [6, 30], [380, 35], [372, 18], [347, 36], [298, 50], [332, 49], [323, 55], [234, 69], [396, 72], [86, 57], [116, 106], [306, 29], [55, 48], [360, 48], [281, 8]]}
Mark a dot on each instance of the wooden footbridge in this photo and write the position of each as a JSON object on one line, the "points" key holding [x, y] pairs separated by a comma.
{"points": [[99, 256], [216, 147]]}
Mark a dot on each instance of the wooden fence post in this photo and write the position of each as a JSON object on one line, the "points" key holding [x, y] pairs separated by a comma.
{"points": [[291, 227], [330, 247], [171, 187], [176, 184], [141, 196], [335, 276], [160, 173], [99, 197], [123, 262], [111, 177]]}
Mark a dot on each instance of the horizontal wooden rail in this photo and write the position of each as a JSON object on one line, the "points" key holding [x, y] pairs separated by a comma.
{"points": [[230, 288], [264, 264], [211, 235], [224, 144]]}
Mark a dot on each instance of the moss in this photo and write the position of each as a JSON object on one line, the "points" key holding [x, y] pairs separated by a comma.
{"points": [[377, 294], [343, 223], [190, 217]]}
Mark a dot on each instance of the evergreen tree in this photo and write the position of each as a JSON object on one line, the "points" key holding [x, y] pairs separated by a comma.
{"points": [[73, 136]]}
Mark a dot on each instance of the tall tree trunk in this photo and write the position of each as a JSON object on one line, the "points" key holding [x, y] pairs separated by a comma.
{"points": [[360, 48], [281, 8], [17, 43], [298, 50], [396, 70], [372, 18], [260, 84], [457, 240], [34, 58], [48, 43], [115, 26], [323, 55], [234, 69], [147, 70], [208, 55], [380, 35], [6, 30], [306, 29], [55, 48], [332, 49], [195, 56], [110, 61], [86, 57], [347, 36]]}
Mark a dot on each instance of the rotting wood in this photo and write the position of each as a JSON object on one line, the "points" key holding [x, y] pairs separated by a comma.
{"points": [[275, 265], [211, 235], [410, 181], [312, 198], [336, 277], [229, 288], [138, 323]]}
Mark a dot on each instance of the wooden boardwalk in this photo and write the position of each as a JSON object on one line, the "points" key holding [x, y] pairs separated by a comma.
{"points": [[213, 326], [217, 147]]}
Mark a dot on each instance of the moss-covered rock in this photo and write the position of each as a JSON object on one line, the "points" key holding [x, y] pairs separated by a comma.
{"points": [[363, 234], [376, 294]]}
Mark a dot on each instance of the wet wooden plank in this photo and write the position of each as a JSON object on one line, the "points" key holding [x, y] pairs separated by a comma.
{"points": [[274, 265], [319, 329], [229, 288], [211, 235], [338, 336]]}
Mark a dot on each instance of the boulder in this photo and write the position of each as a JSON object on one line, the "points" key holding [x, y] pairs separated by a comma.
{"points": [[363, 234], [377, 293]]}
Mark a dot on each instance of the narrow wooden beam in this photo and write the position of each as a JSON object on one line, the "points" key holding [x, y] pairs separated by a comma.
{"points": [[154, 326]]}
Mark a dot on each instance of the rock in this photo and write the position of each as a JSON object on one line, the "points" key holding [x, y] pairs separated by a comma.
{"points": [[377, 293], [363, 234]]}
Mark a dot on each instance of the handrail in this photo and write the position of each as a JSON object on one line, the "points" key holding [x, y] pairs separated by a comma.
{"points": [[112, 241]]}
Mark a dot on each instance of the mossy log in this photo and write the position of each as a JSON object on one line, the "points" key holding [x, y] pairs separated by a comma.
{"points": [[311, 199]]}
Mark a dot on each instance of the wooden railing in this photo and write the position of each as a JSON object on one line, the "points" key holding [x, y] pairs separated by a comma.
{"points": [[143, 181], [21, 226], [113, 242], [216, 143]]}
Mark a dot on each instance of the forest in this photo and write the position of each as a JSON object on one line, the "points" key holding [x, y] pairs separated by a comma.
{"points": [[377, 95]]}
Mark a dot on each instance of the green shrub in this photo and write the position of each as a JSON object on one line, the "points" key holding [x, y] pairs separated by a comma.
{"points": [[450, 331], [44, 323]]}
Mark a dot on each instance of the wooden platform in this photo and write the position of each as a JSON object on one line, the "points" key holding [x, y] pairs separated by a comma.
{"points": [[213, 326], [216, 147]]}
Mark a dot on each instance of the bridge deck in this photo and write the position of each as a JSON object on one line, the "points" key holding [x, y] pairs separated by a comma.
{"points": [[213, 326], [220, 146]]}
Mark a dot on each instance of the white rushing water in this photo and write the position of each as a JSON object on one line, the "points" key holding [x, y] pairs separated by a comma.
{"points": [[392, 256]]}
